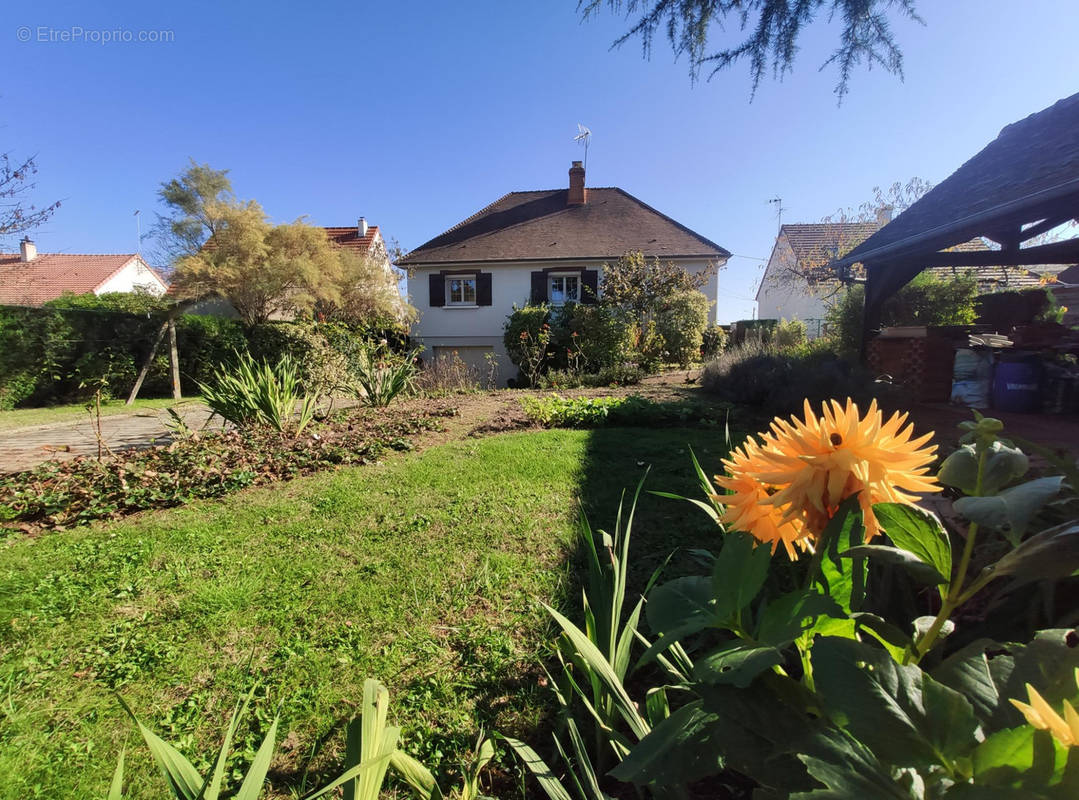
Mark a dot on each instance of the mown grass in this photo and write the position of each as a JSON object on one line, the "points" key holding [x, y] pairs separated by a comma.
{"points": [[76, 412], [422, 571]]}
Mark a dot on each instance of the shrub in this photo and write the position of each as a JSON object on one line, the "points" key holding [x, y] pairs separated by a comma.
{"points": [[713, 341], [789, 334], [681, 323], [772, 382], [555, 411], [605, 335], [381, 375], [449, 373], [252, 393], [323, 368]]}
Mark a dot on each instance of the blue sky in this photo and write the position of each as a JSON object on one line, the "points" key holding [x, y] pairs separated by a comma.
{"points": [[416, 114]]}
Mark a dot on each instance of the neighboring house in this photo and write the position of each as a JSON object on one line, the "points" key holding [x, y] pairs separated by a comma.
{"points": [[803, 250], [536, 246], [29, 278]]}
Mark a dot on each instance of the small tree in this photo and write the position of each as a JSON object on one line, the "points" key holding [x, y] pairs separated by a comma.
{"points": [[195, 200], [643, 287], [365, 294], [681, 323], [260, 268]]}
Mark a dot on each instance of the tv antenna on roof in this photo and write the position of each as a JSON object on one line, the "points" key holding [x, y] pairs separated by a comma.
{"points": [[778, 202], [138, 233], [582, 137]]}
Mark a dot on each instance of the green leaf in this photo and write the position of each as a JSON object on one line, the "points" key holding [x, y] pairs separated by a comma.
{"points": [[737, 664], [784, 619], [917, 531], [116, 788], [899, 712], [677, 609], [893, 639], [1003, 465], [915, 567], [358, 772], [415, 775], [260, 765], [539, 769], [684, 747], [183, 780], [1012, 510], [844, 579], [848, 770], [1050, 555], [739, 573]]}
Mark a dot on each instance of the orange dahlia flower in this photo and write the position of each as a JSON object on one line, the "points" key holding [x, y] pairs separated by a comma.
{"points": [[800, 471]]}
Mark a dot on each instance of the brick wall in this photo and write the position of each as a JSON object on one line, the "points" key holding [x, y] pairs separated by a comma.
{"points": [[923, 366]]}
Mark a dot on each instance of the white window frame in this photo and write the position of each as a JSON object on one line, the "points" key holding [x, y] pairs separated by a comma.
{"points": [[462, 303], [552, 276]]}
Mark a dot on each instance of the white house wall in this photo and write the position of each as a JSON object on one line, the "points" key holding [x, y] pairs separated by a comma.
{"points": [[783, 295], [482, 326], [133, 277]]}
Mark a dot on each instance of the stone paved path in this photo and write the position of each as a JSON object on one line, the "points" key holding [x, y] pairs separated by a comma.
{"points": [[23, 448]]}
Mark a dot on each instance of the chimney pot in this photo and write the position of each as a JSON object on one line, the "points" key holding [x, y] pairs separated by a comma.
{"points": [[578, 195], [361, 226], [27, 249]]}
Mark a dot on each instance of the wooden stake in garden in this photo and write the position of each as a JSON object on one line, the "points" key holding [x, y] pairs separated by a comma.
{"points": [[145, 370], [174, 359]]}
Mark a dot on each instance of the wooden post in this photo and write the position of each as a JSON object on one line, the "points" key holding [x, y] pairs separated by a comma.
{"points": [[147, 364], [174, 359]]}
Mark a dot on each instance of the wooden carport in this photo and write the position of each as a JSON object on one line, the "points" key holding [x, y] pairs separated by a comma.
{"points": [[1022, 185]]}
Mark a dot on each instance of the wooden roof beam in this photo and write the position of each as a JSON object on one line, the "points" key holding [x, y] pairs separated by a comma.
{"points": [[1066, 252]]}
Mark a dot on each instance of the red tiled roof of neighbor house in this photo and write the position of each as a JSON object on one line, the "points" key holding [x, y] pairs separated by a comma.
{"points": [[542, 225], [350, 237], [49, 275]]}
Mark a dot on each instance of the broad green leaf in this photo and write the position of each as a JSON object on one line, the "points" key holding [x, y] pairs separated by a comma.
{"points": [[784, 619], [1050, 555], [844, 579], [377, 766], [676, 609], [737, 664], [539, 769], [893, 639], [899, 712], [739, 573], [183, 780], [116, 788], [251, 788], [990, 673], [848, 770], [684, 747], [1012, 510], [917, 531], [915, 567], [1003, 465]]}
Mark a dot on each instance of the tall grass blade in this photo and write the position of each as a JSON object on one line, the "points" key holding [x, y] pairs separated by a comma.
{"points": [[183, 780], [416, 775], [116, 788], [251, 788], [539, 769]]}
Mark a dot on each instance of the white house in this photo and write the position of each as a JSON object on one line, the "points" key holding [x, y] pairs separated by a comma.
{"points": [[29, 278], [536, 246]]}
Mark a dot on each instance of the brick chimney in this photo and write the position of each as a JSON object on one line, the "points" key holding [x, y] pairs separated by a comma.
{"points": [[578, 195], [361, 227], [27, 249], [884, 215]]}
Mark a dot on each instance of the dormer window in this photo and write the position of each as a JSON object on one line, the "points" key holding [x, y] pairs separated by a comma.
{"points": [[564, 288], [461, 290]]}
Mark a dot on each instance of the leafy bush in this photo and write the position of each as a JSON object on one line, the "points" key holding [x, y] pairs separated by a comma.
{"points": [[713, 341], [761, 377], [926, 300], [252, 393], [789, 334], [681, 322], [324, 369]]}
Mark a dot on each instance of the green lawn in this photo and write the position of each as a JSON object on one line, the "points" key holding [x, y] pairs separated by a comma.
{"points": [[76, 412], [422, 571]]}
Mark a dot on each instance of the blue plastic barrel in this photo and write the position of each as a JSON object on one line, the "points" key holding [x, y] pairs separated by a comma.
{"points": [[1017, 386]]}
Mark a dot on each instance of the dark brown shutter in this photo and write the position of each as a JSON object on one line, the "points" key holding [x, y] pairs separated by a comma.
{"points": [[438, 290], [590, 284], [539, 288], [483, 289]]}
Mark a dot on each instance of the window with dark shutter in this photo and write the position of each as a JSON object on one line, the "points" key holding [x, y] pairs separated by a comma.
{"points": [[539, 288], [590, 286], [438, 290]]}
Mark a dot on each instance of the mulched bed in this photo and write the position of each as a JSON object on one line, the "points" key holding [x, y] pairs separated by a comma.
{"points": [[60, 494]]}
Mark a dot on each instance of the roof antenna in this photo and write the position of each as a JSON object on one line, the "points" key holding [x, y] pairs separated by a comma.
{"points": [[778, 202], [138, 234], [582, 137]]}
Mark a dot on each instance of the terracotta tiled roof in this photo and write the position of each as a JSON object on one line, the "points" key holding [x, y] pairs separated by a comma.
{"points": [[1031, 162], [539, 225], [49, 275], [350, 238], [814, 240]]}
